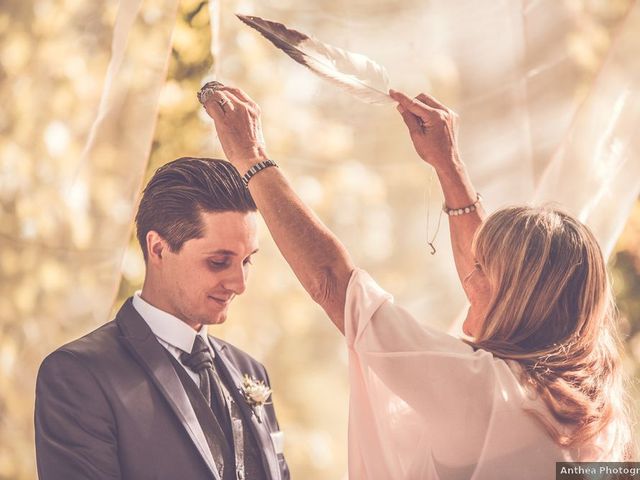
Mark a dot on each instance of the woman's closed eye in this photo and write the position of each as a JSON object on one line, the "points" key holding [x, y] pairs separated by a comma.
{"points": [[476, 268]]}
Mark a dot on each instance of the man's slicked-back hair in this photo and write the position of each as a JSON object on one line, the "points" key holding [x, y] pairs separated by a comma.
{"points": [[179, 191]]}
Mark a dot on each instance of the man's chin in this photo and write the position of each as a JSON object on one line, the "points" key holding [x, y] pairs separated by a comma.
{"points": [[216, 319]]}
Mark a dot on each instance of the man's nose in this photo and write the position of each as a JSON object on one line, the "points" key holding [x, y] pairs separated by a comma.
{"points": [[236, 281]]}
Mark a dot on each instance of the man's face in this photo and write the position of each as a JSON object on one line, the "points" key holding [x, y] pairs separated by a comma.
{"points": [[200, 280]]}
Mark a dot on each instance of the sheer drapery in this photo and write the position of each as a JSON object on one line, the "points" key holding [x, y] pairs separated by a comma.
{"points": [[80, 95], [595, 172], [546, 114]]}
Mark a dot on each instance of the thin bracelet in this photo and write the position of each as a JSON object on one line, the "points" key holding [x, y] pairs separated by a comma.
{"points": [[255, 169], [452, 212]]}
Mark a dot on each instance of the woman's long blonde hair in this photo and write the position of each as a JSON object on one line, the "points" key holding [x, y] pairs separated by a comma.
{"points": [[552, 310]]}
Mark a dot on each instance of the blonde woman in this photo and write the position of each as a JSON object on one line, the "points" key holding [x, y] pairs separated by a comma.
{"points": [[540, 381]]}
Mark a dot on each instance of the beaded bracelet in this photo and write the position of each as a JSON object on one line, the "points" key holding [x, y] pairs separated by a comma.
{"points": [[452, 212], [255, 169]]}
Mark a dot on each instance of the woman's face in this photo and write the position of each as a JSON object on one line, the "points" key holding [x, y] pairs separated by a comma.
{"points": [[476, 286]]}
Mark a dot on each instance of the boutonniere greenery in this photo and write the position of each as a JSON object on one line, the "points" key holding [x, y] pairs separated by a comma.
{"points": [[256, 394]]}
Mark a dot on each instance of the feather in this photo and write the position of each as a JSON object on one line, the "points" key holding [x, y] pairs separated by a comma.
{"points": [[353, 72]]}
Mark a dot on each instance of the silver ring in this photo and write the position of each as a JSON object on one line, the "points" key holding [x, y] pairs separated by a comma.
{"points": [[207, 91]]}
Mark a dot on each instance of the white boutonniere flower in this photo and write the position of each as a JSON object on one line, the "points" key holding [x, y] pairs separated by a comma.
{"points": [[256, 394]]}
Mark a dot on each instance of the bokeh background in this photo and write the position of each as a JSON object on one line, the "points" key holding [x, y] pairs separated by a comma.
{"points": [[96, 95]]}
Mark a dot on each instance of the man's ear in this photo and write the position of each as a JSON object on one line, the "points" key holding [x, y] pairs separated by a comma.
{"points": [[156, 246]]}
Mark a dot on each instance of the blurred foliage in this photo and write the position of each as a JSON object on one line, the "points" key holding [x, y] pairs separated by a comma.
{"points": [[56, 252], [625, 273]]}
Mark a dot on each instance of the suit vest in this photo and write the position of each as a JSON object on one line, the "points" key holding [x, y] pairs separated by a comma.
{"points": [[220, 445]]}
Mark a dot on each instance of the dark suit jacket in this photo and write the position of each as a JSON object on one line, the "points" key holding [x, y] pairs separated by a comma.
{"points": [[111, 406]]}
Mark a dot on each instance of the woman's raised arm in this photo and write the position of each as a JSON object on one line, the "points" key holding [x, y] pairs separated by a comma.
{"points": [[317, 257], [433, 129]]}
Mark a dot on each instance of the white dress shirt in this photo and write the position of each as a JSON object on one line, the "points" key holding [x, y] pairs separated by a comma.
{"points": [[178, 337], [172, 333]]}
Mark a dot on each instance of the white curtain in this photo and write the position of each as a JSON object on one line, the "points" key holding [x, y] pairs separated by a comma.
{"points": [[80, 87]]}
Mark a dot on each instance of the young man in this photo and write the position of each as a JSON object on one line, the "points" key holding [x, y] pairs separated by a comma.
{"points": [[150, 395]]}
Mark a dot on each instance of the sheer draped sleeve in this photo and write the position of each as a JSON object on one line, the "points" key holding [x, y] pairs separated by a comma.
{"points": [[426, 405]]}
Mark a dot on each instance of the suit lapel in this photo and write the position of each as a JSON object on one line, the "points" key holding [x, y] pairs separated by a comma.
{"points": [[138, 338], [260, 430]]}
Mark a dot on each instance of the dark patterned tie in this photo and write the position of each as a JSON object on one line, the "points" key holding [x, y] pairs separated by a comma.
{"points": [[200, 361]]}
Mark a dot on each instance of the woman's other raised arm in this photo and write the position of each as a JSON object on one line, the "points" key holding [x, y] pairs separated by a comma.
{"points": [[433, 130]]}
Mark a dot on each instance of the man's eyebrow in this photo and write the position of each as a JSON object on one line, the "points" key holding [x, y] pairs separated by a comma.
{"points": [[228, 253]]}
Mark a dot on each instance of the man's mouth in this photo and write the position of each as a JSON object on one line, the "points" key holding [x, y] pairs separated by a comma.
{"points": [[222, 301]]}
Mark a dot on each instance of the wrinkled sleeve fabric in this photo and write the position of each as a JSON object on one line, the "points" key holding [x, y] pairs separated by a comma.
{"points": [[421, 400], [74, 425]]}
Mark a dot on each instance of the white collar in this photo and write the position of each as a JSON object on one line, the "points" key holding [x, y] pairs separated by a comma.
{"points": [[168, 327]]}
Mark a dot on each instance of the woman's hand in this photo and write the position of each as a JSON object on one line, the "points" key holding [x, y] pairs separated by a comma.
{"points": [[432, 126], [237, 120]]}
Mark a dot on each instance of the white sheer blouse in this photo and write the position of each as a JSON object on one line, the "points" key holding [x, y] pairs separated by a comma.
{"points": [[425, 405]]}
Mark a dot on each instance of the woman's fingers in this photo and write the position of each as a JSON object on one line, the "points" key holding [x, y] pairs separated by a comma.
{"points": [[413, 122], [408, 103], [238, 101], [219, 104], [233, 98], [450, 115], [419, 109], [241, 95], [416, 116], [243, 99], [431, 101], [223, 102], [432, 109]]}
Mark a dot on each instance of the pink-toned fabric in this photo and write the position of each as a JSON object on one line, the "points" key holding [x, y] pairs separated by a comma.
{"points": [[425, 405]]}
